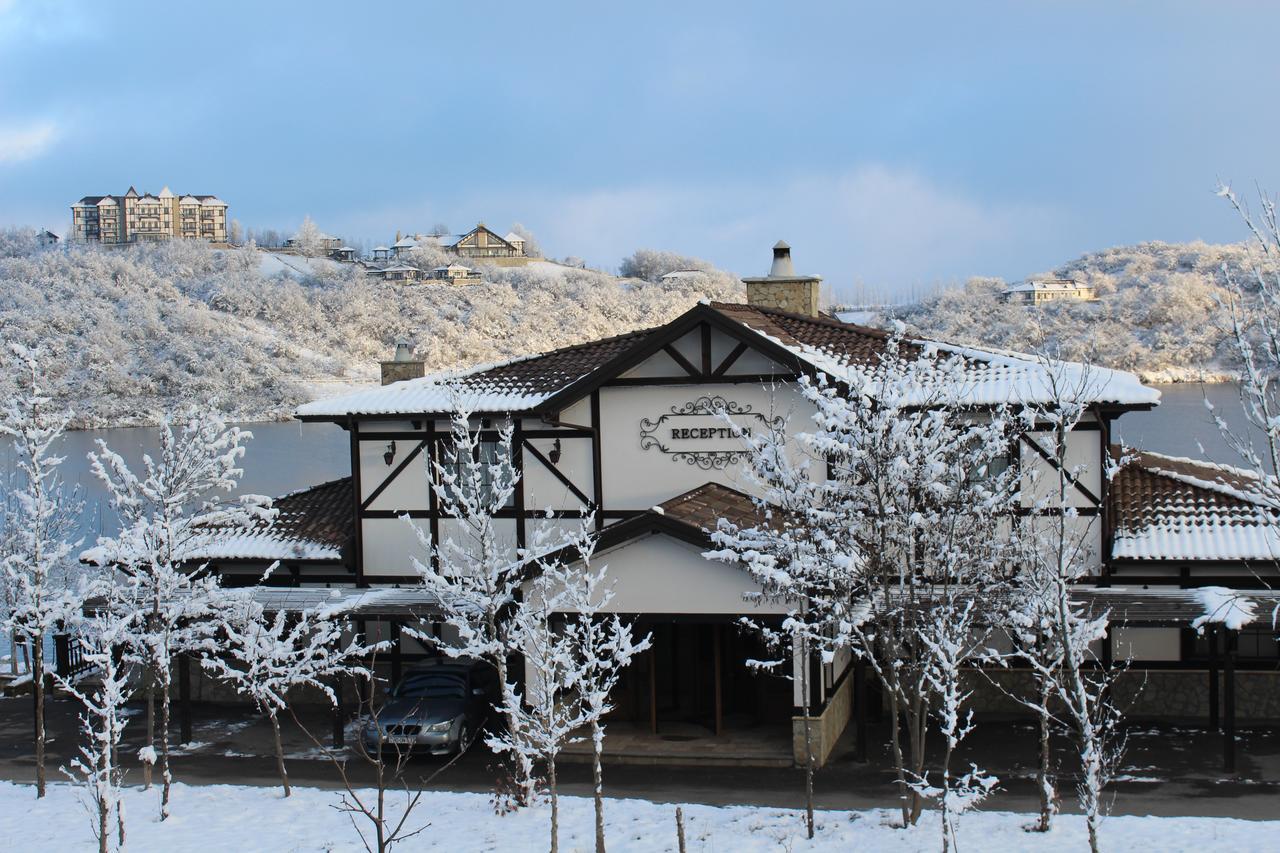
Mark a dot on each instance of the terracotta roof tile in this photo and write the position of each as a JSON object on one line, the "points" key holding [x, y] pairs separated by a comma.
{"points": [[702, 507], [1169, 508]]}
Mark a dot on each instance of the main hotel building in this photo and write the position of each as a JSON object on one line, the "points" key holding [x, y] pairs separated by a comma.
{"points": [[631, 427]]}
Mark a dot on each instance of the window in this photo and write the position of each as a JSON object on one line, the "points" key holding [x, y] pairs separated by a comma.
{"points": [[454, 462], [1252, 644]]}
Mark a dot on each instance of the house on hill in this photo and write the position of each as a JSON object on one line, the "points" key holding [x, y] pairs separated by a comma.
{"points": [[480, 242], [456, 274], [1040, 291], [396, 272]]}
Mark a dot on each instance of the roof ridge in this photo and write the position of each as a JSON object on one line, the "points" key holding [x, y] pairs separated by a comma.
{"points": [[826, 320], [317, 487]]}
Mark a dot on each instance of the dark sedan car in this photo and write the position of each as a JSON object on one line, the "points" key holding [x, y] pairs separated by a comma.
{"points": [[439, 706]]}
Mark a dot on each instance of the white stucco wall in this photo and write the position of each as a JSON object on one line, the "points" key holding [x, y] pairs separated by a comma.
{"points": [[657, 574], [1146, 644], [636, 478], [1084, 460]]}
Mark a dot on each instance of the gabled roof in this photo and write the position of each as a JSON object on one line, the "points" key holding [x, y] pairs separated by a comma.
{"points": [[1171, 508], [482, 227], [689, 517], [551, 381]]}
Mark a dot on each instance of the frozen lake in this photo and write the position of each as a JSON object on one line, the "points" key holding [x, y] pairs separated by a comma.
{"points": [[283, 457]]}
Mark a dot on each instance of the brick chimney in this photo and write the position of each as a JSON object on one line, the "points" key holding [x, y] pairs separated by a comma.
{"points": [[403, 365], [782, 288]]}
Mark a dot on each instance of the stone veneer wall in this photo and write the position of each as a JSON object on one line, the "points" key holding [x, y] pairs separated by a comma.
{"points": [[826, 728], [1157, 694], [797, 295], [394, 371]]}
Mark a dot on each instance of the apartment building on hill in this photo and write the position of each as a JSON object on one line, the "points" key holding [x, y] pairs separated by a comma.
{"points": [[138, 218]]}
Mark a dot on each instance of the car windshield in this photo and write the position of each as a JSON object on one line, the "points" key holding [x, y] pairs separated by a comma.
{"points": [[433, 685]]}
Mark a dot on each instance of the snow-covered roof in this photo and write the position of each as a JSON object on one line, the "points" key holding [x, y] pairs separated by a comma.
{"points": [[843, 351], [1042, 285], [381, 249], [513, 237], [106, 200], [1173, 508], [311, 525], [404, 243], [212, 201]]}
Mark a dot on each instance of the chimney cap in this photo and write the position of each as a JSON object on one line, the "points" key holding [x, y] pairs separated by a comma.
{"points": [[404, 352], [781, 244]]}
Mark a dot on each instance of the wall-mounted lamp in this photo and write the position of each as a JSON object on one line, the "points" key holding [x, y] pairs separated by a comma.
{"points": [[390, 455], [554, 455]]}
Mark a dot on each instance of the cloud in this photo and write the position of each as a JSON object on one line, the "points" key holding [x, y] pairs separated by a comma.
{"points": [[19, 143], [873, 224]]}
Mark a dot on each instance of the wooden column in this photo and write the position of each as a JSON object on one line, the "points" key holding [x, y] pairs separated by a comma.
{"points": [[1229, 704], [397, 656], [717, 629], [184, 697], [653, 690], [339, 714], [860, 707], [1213, 679], [364, 686]]}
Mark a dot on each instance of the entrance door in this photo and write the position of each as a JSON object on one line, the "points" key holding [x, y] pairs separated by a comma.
{"points": [[694, 678]]}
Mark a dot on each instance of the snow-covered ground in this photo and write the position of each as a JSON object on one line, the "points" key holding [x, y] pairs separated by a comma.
{"points": [[227, 817], [274, 263]]}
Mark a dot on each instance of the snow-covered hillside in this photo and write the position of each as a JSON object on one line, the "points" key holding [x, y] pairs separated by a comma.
{"points": [[129, 333], [1159, 312]]}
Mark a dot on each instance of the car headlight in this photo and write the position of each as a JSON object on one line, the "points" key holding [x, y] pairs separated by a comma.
{"points": [[440, 727]]}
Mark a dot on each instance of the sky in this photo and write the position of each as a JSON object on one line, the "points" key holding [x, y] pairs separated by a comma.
{"points": [[894, 146]]}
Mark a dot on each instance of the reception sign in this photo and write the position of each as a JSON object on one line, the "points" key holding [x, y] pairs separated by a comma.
{"points": [[707, 432]]}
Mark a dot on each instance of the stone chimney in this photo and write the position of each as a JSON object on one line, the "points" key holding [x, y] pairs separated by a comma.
{"points": [[782, 289], [403, 365]]}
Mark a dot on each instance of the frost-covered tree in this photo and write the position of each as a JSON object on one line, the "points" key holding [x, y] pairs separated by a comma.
{"points": [[180, 501], [953, 640], [39, 534], [102, 638], [791, 560], [544, 715], [651, 264], [309, 240], [915, 497], [1253, 306], [477, 573], [532, 248], [265, 655], [602, 646], [1057, 635], [576, 655]]}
